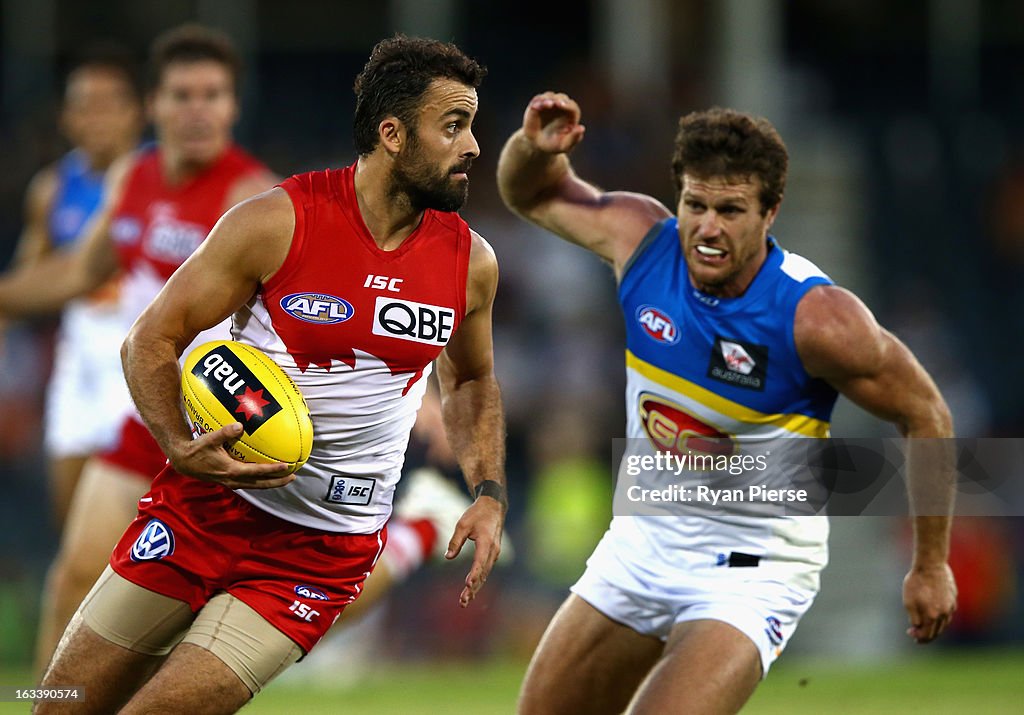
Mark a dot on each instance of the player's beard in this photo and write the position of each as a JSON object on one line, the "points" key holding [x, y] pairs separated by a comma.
{"points": [[426, 185]]}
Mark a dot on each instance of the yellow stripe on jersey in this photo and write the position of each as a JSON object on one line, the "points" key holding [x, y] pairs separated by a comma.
{"points": [[795, 423]]}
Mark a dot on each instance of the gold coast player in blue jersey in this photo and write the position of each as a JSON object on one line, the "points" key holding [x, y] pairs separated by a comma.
{"points": [[728, 335]]}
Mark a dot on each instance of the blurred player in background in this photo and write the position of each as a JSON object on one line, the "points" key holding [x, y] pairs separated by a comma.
{"points": [[101, 116], [159, 202], [263, 563], [687, 613], [87, 397]]}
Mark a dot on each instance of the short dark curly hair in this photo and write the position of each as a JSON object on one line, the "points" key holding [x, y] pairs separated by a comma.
{"points": [[397, 75], [192, 42], [724, 142]]}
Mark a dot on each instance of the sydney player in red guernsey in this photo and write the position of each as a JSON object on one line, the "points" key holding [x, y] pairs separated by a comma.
{"points": [[364, 277], [159, 204]]}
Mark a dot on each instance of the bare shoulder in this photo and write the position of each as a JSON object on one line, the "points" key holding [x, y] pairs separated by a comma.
{"points": [[482, 282], [258, 230], [836, 335]]}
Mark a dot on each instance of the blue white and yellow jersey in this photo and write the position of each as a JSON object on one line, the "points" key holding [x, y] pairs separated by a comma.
{"points": [[703, 366]]}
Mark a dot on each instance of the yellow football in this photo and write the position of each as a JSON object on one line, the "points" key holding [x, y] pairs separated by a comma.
{"points": [[225, 381]]}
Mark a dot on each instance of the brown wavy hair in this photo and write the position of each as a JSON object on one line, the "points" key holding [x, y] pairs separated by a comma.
{"points": [[724, 142]]}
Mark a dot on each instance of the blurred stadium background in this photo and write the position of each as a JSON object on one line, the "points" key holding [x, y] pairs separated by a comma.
{"points": [[904, 124]]}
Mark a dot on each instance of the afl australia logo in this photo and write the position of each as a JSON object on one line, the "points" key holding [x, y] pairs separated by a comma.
{"points": [[317, 308], [155, 542], [657, 325], [311, 592]]}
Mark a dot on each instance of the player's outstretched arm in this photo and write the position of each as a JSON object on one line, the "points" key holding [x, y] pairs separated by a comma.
{"points": [[839, 341], [536, 180], [45, 283], [248, 244], [471, 408]]}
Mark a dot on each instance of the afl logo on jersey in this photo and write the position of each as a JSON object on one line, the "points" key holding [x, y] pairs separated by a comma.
{"points": [[317, 308], [125, 230], [657, 324], [155, 542]]}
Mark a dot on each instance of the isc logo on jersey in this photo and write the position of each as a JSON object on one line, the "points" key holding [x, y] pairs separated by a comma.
{"points": [[657, 325], [418, 322], [317, 308]]}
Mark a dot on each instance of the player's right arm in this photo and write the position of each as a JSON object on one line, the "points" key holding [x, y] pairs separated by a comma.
{"points": [[537, 181], [45, 284]]}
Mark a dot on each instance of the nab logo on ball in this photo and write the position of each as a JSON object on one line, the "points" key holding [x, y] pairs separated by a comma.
{"points": [[317, 308], [657, 325], [236, 388], [155, 542]]}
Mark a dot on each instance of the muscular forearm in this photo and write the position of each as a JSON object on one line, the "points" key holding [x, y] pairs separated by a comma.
{"points": [[525, 173], [154, 379], [476, 430], [931, 488]]}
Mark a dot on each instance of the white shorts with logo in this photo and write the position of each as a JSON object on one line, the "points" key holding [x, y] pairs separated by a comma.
{"points": [[650, 589], [87, 397]]}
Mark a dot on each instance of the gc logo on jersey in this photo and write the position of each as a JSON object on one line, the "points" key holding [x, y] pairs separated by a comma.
{"points": [[317, 308], [418, 322], [671, 428], [155, 542], [657, 324]]}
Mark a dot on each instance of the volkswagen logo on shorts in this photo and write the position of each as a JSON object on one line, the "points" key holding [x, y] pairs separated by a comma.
{"points": [[317, 308], [155, 542]]}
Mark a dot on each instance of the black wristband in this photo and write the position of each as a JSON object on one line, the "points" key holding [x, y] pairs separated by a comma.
{"points": [[492, 489]]}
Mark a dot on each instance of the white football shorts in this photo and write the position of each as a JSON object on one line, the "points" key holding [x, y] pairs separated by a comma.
{"points": [[650, 588], [87, 397]]}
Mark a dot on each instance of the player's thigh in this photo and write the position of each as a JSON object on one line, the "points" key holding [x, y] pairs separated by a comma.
{"points": [[229, 654], [114, 642], [103, 506], [586, 663], [192, 680], [709, 668], [106, 673]]}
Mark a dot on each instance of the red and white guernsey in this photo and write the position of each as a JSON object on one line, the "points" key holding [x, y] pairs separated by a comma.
{"points": [[156, 225], [357, 329]]}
